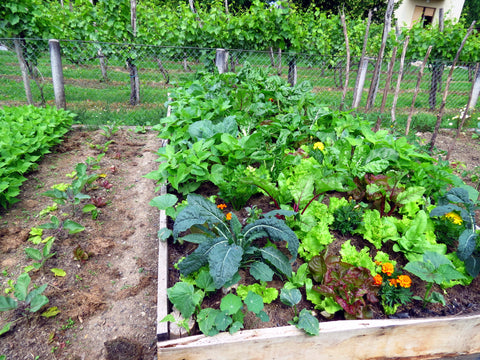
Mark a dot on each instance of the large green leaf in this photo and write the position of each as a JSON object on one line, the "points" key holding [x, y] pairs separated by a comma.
{"points": [[38, 302], [231, 304], [164, 202], [277, 259], [290, 297], [34, 293], [261, 271], [184, 297], [224, 261], [34, 254], [466, 244], [308, 322], [198, 212], [21, 287], [197, 259], [73, 227], [275, 229], [472, 264], [7, 303]]}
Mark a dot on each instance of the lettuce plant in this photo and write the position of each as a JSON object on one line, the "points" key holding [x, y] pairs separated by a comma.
{"points": [[352, 287], [226, 247]]}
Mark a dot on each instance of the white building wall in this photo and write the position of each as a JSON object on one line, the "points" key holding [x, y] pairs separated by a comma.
{"points": [[452, 9]]}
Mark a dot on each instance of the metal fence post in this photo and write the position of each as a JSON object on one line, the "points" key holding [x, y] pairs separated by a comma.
{"points": [[221, 60], [57, 74]]}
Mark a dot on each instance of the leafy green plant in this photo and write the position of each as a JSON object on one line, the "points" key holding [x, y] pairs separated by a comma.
{"points": [[303, 320], [225, 246], [231, 314], [26, 301], [347, 218], [460, 208], [268, 294], [109, 129], [376, 228], [93, 163], [351, 286], [58, 226], [40, 256], [73, 194], [25, 142], [434, 269], [187, 300]]}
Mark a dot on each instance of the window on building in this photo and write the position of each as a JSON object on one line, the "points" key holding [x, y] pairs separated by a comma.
{"points": [[423, 14]]}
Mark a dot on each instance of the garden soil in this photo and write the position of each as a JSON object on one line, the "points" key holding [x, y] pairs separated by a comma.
{"points": [[107, 303]]}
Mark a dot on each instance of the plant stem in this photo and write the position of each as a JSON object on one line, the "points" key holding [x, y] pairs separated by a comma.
{"points": [[428, 290]]}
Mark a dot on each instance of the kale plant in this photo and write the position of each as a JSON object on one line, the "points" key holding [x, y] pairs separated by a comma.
{"points": [[226, 247]]}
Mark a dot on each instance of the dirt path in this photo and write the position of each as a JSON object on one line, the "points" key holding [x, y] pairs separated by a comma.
{"points": [[107, 303]]}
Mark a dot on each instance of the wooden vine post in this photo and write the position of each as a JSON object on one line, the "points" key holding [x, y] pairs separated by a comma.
{"points": [[385, 89], [417, 89], [362, 67], [134, 80], [372, 93], [399, 80], [24, 70], [437, 70], [447, 85]]}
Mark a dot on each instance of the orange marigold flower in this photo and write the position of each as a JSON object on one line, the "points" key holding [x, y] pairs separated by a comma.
{"points": [[228, 216], [404, 281], [221, 206], [387, 268], [271, 100], [393, 282], [378, 262], [377, 280]]}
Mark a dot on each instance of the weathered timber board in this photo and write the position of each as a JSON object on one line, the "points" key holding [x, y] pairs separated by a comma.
{"points": [[349, 340]]}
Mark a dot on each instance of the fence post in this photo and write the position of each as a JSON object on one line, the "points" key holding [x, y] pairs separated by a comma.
{"points": [[57, 74], [475, 91], [362, 74], [24, 70], [221, 60]]}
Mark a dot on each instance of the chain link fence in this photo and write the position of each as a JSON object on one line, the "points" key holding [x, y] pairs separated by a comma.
{"points": [[129, 83]]}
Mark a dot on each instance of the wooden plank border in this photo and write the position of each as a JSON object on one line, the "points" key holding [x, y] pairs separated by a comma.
{"points": [[338, 340]]}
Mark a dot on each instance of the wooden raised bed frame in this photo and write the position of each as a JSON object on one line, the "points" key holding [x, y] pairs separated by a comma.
{"points": [[348, 339]]}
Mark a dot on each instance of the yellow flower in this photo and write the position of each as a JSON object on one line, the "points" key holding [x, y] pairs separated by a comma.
{"points": [[454, 218], [228, 216], [387, 268], [318, 146], [221, 206], [377, 280], [404, 281]]}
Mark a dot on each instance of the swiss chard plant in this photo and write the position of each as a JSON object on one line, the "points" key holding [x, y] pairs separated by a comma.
{"points": [[226, 247]]}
